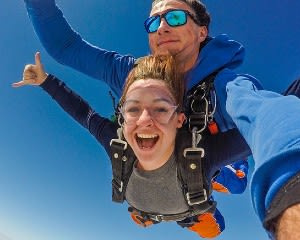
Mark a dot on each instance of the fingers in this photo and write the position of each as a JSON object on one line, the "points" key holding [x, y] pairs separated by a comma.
{"points": [[37, 58], [33, 74], [18, 84]]}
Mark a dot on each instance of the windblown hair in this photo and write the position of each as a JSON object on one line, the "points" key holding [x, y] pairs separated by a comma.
{"points": [[162, 68], [199, 8]]}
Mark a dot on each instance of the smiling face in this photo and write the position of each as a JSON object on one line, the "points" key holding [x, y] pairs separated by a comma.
{"points": [[153, 142], [183, 42]]}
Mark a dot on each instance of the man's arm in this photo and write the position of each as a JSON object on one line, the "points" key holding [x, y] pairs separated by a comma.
{"points": [[289, 224], [67, 47]]}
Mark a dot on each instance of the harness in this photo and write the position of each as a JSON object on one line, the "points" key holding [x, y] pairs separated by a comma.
{"points": [[200, 107]]}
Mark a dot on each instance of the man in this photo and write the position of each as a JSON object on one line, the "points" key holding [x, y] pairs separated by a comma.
{"points": [[187, 40]]}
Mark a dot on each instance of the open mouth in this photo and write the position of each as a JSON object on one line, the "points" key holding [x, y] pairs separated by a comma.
{"points": [[146, 141]]}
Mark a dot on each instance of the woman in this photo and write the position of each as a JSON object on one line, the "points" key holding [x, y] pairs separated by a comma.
{"points": [[150, 114]]}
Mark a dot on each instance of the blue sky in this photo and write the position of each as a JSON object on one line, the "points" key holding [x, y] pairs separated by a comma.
{"points": [[54, 177]]}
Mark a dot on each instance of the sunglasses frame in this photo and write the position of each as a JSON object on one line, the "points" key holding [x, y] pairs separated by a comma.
{"points": [[151, 19]]}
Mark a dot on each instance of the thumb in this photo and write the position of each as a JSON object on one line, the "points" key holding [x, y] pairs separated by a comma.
{"points": [[37, 58], [39, 68]]}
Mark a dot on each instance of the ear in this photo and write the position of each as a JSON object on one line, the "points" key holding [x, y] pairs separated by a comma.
{"points": [[203, 32], [180, 120]]}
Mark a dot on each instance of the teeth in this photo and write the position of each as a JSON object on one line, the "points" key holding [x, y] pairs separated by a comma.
{"points": [[147, 135]]}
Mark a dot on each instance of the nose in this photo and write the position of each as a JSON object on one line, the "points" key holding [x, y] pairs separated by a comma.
{"points": [[163, 26], [145, 119]]}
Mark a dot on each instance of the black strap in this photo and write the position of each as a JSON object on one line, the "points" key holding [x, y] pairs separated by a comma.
{"points": [[157, 218], [122, 159], [196, 188], [192, 166]]}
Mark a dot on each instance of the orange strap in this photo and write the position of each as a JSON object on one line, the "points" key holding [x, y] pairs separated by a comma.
{"points": [[140, 220]]}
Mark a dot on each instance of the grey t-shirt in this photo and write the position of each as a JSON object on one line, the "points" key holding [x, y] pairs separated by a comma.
{"points": [[158, 191]]}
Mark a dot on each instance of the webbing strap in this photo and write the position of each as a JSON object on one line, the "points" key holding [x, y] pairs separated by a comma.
{"points": [[208, 206], [195, 190], [118, 148], [118, 159], [190, 170]]}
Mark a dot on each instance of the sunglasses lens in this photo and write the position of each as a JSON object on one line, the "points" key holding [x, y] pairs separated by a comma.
{"points": [[152, 24], [176, 18], [173, 18]]}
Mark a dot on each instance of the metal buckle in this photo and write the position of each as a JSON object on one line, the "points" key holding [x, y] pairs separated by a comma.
{"points": [[192, 202], [118, 185], [119, 142], [157, 218], [193, 149], [121, 187]]}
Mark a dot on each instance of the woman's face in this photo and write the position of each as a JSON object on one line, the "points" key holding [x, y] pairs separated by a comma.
{"points": [[151, 122]]}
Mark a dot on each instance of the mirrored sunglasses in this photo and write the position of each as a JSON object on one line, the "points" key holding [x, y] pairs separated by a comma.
{"points": [[174, 18]]}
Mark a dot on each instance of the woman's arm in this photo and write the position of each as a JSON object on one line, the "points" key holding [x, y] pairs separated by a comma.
{"points": [[101, 128]]}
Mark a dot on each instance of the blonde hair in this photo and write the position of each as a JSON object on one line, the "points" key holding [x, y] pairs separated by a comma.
{"points": [[162, 68]]}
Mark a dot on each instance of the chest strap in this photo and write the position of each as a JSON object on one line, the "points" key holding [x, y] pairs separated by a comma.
{"points": [[157, 218]]}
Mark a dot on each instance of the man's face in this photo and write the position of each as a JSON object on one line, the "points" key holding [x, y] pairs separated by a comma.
{"points": [[150, 135], [183, 42]]}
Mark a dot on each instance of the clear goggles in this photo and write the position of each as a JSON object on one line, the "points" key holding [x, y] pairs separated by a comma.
{"points": [[160, 113]]}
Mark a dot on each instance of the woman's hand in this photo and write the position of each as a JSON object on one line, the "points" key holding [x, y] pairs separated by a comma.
{"points": [[33, 74]]}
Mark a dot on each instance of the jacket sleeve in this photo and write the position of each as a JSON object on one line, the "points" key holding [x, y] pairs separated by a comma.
{"points": [[270, 124], [101, 128], [68, 48]]}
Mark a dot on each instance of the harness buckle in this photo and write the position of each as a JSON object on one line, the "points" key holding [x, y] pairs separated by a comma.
{"points": [[157, 218], [118, 143], [193, 151], [119, 185], [197, 197]]}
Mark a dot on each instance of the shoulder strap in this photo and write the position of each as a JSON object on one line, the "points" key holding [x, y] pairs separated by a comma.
{"points": [[196, 188], [122, 159]]}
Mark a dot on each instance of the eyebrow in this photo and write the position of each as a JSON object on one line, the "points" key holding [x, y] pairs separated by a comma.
{"points": [[155, 100]]}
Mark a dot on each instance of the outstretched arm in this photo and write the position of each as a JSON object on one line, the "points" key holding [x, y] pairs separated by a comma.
{"points": [[270, 124], [101, 128], [67, 47]]}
